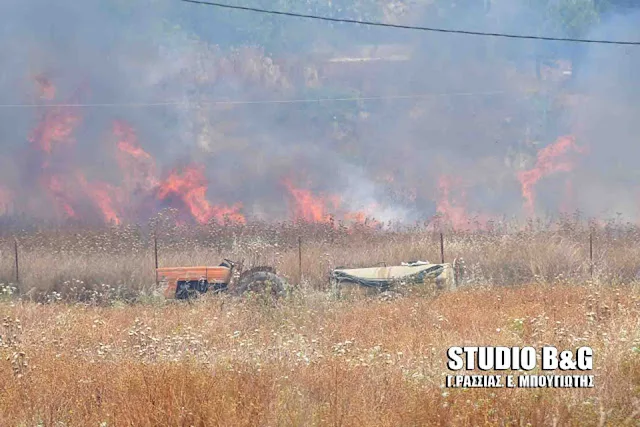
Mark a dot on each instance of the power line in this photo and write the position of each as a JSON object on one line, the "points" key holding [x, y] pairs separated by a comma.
{"points": [[257, 102], [410, 27]]}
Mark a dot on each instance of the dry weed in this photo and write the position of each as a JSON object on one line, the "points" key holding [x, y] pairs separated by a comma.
{"points": [[313, 360]]}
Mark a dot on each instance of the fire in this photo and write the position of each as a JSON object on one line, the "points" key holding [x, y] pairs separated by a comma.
{"points": [[358, 217], [550, 160], [453, 209], [138, 167], [57, 126], [190, 186], [103, 196], [138, 171], [139, 183], [308, 207], [321, 208], [363, 217], [60, 193]]}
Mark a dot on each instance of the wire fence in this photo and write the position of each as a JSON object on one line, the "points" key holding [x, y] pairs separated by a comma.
{"points": [[307, 261]]}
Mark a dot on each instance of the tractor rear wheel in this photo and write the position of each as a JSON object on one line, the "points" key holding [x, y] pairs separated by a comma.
{"points": [[262, 282]]}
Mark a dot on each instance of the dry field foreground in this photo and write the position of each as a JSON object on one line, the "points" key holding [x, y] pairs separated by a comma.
{"points": [[312, 360]]}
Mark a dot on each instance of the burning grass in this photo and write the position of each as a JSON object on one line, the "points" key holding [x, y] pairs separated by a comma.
{"points": [[313, 360]]}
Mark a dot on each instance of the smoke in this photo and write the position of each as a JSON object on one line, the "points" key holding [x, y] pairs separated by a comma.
{"points": [[603, 119], [460, 120]]}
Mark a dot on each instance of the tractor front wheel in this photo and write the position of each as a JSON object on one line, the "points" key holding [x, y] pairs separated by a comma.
{"points": [[186, 290]]}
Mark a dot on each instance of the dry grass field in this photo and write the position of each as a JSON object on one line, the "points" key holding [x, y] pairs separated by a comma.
{"points": [[103, 264], [86, 342], [313, 360]]}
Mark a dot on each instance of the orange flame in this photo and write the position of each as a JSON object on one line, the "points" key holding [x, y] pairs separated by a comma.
{"points": [[453, 209], [191, 187], [103, 195], [60, 193], [56, 126], [138, 166], [548, 162], [324, 208], [358, 217], [139, 174], [363, 217], [310, 208]]}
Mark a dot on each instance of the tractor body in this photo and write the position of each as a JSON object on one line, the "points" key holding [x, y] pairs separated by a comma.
{"points": [[181, 282], [190, 282]]}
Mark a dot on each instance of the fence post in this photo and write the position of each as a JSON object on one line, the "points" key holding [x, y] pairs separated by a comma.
{"points": [[442, 248], [155, 255], [15, 250], [299, 259], [591, 253]]}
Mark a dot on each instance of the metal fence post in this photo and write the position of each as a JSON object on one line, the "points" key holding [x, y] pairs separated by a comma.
{"points": [[591, 253], [15, 249], [299, 259], [155, 255]]}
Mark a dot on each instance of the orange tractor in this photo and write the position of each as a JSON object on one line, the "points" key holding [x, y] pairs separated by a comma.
{"points": [[190, 282]]}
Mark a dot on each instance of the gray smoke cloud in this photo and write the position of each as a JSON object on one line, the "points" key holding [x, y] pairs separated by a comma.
{"points": [[479, 113], [604, 120]]}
